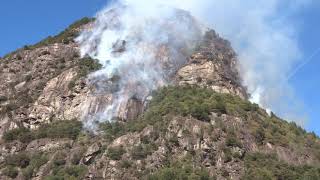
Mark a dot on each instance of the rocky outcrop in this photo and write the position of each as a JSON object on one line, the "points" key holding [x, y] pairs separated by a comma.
{"points": [[28, 80], [35, 84], [91, 153], [213, 65]]}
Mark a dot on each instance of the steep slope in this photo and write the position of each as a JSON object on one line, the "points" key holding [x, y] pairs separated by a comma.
{"points": [[213, 65], [200, 127], [42, 81]]}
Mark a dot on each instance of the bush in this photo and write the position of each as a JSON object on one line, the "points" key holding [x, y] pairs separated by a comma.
{"points": [[21, 134], [225, 173], [260, 135], [125, 164], [268, 166], [70, 173], [227, 155], [60, 129], [28, 78], [36, 162], [59, 159], [76, 171], [65, 36], [142, 151], [86, 65], [76, 156], [184, 101], [3, 98], [180, 170], [195, 101], [11, 172], [115, 153], [112, 130], [29, 163], [18, 160], [232, 141]]}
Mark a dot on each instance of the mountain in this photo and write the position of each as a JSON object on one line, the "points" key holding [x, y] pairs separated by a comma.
{"points": [[201, 126]]}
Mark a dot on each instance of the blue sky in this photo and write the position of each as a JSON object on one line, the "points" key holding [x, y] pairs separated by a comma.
{"points": [[27, 22]]}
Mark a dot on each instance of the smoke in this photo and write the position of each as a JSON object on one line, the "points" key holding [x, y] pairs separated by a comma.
{"points": [[140, 49], [261, 32]]}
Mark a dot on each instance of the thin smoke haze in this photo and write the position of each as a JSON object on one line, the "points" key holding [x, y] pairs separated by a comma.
{"points": [[262, 35]]}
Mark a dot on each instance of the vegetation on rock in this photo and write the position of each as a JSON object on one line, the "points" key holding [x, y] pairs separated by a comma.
{"points": [[268, 166], [85, 66], [73, 172], [176, 117], [54, 130], [65, 36], [181, 170]]}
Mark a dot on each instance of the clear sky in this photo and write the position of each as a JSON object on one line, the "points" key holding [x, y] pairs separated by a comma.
{"points": [[28, 21]]}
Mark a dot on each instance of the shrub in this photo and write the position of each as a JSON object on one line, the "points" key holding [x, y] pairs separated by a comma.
{"points": [[70, 172], [232, 141], [60, 129], [21, 134], [180, 170], [36, 162], [72, 84], [225, 173], [86, 65], [184, 101], [76, 156], [18, 160], [11, 172], [29, 163], [26, 47], [142, 151], [3, 98], [11, 107], [227, 155], [65, 36], [28, 78], [174, 140], [115, 153], [125, 164], [112, 130], [268, 166], [195, 101], [259, 134], [76, 171], [59, 159]]}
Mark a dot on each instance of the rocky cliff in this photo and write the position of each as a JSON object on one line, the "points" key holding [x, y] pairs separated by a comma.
{"points": [[200, 127]]}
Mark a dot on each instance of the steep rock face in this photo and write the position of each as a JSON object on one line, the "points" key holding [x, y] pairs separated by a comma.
{"points": [[35, 82], [25, 76], [213, 65], [57, 101]]}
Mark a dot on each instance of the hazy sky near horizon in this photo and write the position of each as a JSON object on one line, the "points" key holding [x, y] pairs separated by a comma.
{"points": [[27, 22]]}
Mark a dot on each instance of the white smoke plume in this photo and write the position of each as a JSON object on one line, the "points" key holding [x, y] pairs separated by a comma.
{"points": [[260, 31], [140, 50]]}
